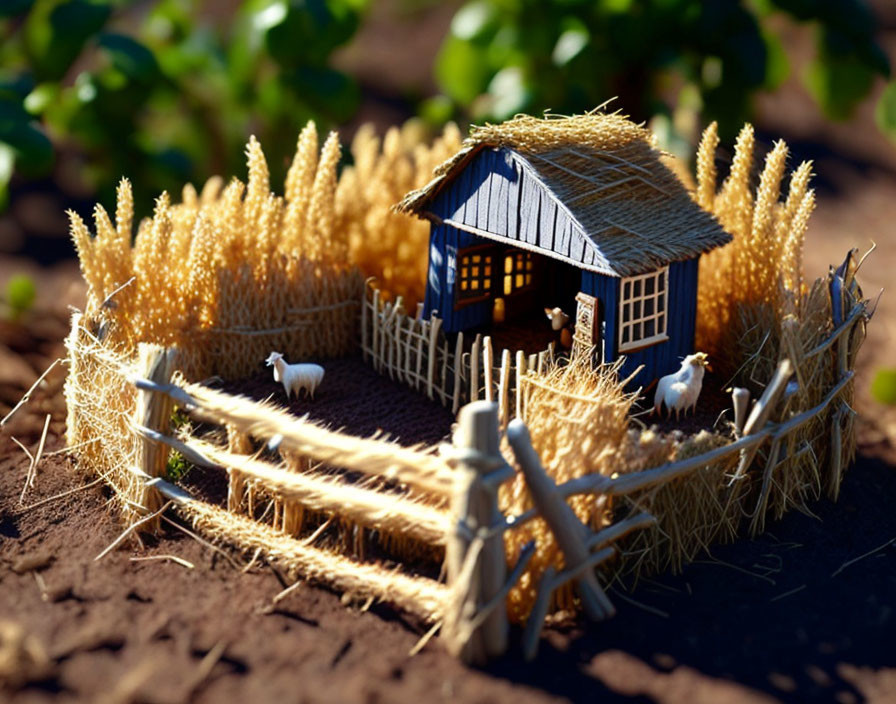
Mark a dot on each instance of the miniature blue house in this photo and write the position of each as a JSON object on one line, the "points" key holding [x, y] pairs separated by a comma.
{"points": [[580, 213]]}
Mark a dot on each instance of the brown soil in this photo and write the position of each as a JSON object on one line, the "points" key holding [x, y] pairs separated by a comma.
{"points": [[790, 616], [354, 396]]}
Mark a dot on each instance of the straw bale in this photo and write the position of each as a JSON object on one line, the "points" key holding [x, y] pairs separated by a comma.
{"points": [[577, 419]]}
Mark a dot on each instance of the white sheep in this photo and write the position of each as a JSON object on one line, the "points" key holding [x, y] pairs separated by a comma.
{"points": [[295, 377], [560, 321], [680, 391]]}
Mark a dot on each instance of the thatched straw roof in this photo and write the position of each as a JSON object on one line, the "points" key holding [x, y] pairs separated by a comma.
{"points": [[606, 173]]}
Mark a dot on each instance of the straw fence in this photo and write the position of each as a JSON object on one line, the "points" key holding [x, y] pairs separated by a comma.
{"points": [[329, 506], [417, 353]]}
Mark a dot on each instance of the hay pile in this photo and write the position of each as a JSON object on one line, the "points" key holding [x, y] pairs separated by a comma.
{"points": [[577, 418]]}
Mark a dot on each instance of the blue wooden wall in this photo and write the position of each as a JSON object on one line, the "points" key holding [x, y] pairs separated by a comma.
{"points": [[497, 193], [664, 357]]}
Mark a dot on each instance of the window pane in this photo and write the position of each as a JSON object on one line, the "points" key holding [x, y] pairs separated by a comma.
{"points": [[649, 328], [626, 290], [636, 332], [488, 270], [661, 325], [474, 284], [636, 311], [474, 271], [661, 303], [649, 286], [519, 280], [508, 264], [637, 289], [626, 312], [626, 334], [648, 307]]}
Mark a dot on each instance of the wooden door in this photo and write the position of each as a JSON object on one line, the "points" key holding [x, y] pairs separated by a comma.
{"points": [[587, 331]]}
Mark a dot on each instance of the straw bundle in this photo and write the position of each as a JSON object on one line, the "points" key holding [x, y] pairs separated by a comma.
{"points": [[391, 246], [577, 419], [758, 277], [229, 273], [420, 596]]}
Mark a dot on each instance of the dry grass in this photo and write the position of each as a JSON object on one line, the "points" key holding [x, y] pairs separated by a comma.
{"points": [[759, 274], [577, 419], [391, 246], [229, 273]]}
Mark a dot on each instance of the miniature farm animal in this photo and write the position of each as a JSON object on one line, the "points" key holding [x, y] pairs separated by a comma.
{"points": [[295, 377], [679, 391], [560, 321]]}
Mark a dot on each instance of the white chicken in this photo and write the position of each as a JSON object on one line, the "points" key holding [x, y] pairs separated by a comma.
{"points": [[680, 391], [295, 377]]}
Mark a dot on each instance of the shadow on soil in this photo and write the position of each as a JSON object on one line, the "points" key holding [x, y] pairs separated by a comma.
{"points": [[788, 614]]}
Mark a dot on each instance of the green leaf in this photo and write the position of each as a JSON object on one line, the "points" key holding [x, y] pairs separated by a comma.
{"points": [[7, 163], [57, 32], [883, 387], [462, 70], [570, 44], [885, 111], [12, 8], [838, 84], [777, 67], [37, 101], [130, 57], [473, 20], [20, 294], [508, 93]]}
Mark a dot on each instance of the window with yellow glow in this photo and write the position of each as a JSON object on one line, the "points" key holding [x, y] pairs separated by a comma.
{"points": [[474, 274], [519, 269]]}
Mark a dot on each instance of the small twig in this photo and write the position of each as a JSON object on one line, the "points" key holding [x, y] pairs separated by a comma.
{"points": [[32, 469], [173, 558], [130, 529], [286, 592], [108, 302], [203, 542], [27, 396], [320, 529], [70, 448], [649, 609], [862, 557], [251, 562], [63, 494], [736, 567], [792, 591], [424, 639], [207, 664]]}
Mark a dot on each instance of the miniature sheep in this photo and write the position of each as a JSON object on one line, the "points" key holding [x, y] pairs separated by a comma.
{"points": [[560, 321], [679, 391], [295, 377]]}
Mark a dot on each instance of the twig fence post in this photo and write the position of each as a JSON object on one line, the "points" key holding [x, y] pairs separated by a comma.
{"points": [[474, 558], [153, 411]]}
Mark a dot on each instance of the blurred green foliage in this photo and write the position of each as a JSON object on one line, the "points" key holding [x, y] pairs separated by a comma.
{"points": [[165, 92], [883, 386], [503, 57], [20, 295]]}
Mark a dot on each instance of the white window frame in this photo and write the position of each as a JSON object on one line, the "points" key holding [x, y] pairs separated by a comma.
{"points": [[630, 301]]}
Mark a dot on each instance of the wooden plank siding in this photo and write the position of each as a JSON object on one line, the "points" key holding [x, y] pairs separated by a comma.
{"points": [[497, 196], [664, 357]]}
